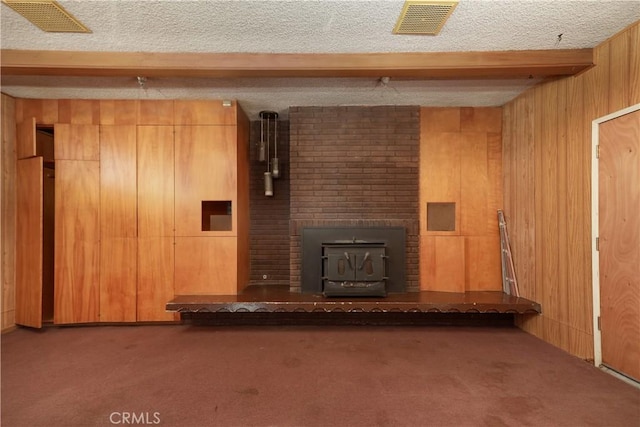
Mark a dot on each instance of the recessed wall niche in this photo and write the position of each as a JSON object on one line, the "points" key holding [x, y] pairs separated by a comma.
{"points": [[216, 215], [441, 216]]}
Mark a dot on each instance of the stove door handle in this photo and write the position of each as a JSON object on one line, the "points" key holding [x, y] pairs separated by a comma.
{"points": [[366, 257], [348, 257]]}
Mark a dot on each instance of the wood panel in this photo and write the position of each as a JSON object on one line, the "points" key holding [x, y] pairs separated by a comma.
{"points": [[155, 181], [155, 278], [474, 185], [595, 105], [549, 208], [118, 112], [77, 248], [26, 138], [561, 194], [566, 302], [440, 170], [451, 65], [556, 333], [28, 292], [511, 174], [118, 183], [508, 155], [487, 120], [516, 222], [450, 263], [79, 111], [634, 64], [619, 228], [205, 168], [242, 210], [619, 69], [526, 179], [494, 176], [76, 142], [155, 112], [483, 267], [8, 164], [439, 120], [578, 284], [211, 112], [462, 165], [118, 279], [442, 263], [203, 266], [580, 344], [45, 111]]}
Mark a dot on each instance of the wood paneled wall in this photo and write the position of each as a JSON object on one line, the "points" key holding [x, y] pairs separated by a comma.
{"points": [[547, 188], [461, 163], [8, 211]]}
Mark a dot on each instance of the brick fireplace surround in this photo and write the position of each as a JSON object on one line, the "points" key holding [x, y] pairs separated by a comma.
{"points": [[342, 166], [355, 167]]}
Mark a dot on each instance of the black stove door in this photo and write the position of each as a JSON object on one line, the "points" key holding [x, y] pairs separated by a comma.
{"points": [[340, 265], [369, 264]]}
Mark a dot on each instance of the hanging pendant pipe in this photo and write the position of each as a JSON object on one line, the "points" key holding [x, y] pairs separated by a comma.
{"points": [[273, 167], [262, 153], [268, 184]]}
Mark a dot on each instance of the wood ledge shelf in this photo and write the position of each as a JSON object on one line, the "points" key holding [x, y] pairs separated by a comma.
{"points": [[278, 299]]}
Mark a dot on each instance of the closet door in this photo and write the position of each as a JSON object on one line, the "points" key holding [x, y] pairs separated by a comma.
{"points": [[77, 225], [118, 228], [29, 243], [26, 139], [155, 223]]}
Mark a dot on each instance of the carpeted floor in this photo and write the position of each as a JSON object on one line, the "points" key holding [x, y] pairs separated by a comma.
{"points": [[180, 375]]}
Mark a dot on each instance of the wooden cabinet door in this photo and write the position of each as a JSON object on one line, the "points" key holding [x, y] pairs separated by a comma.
{"points": [[29, 242], [155, 278], [155, 181], [118, 271], [118, 181], [155, 218], [206, 266], [26, 139], [204, 112], [77, 142], [205, 170], [118, 224], [77, 247]]}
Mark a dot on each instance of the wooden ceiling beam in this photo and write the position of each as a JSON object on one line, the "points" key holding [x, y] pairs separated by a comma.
{"points": [[429, 65]]}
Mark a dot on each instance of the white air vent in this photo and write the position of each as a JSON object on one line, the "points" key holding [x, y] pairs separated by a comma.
{"points": [[47, 15], [424, 17]]}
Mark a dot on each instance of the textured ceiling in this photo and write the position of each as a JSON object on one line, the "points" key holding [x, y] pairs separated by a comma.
{"points": [[327, 26]]}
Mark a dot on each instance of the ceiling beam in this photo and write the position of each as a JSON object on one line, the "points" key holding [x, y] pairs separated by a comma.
{"points": [[429, 65]]}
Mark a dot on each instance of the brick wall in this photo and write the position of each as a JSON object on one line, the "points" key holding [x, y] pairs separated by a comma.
{"points": [[269, 233], [355, 166]]}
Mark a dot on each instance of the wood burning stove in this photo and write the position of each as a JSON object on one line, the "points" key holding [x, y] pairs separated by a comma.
{"points": [[354, 268], [374, 264]]}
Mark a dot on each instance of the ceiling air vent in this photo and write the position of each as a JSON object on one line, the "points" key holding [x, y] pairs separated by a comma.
{"points": [[424, 17], [47, 15]]}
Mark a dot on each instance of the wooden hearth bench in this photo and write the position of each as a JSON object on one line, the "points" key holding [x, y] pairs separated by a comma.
{"points": [[279, 299]]}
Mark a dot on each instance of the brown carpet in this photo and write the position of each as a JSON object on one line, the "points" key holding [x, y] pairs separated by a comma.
{"points": [[180, 375]]}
